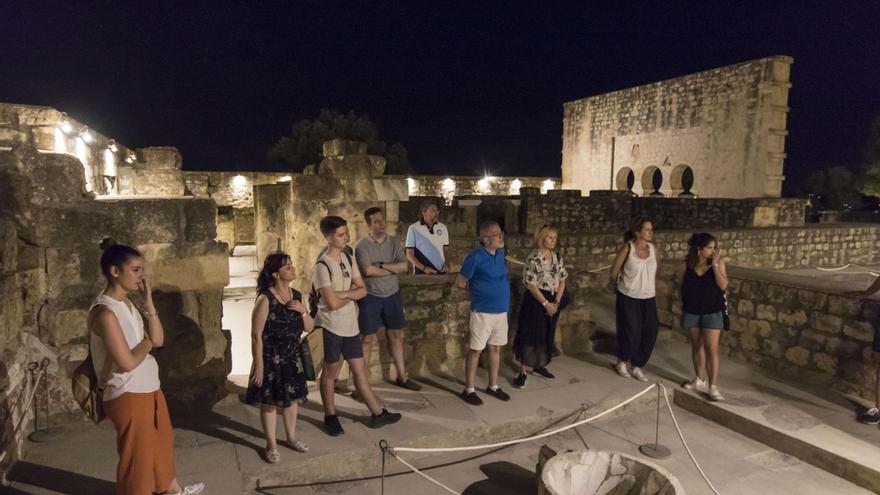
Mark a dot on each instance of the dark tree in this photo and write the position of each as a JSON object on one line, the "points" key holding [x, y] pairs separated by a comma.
{"points": [[304, 144], [870, 180], [834, 189]]}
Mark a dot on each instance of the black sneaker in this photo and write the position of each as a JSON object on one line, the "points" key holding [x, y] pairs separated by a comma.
{"points": [[332, 425], [409, 384], [543, 372], [519, 381], [471, 398], [498, 393], [870, 417], [385, 418]]}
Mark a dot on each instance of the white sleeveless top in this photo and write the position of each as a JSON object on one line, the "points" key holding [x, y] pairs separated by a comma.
{"points": [[144, 378], [638, 275]]}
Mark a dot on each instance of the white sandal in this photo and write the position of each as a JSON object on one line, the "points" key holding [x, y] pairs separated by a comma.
{"points": [[193, 489], [298, 446], [272, 455]]}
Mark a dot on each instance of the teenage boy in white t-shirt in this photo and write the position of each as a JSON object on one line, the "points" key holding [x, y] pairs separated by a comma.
{"points": [[339, 283]]}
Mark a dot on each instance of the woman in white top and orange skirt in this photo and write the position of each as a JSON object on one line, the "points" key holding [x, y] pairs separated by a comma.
{"points": [[133, 399], [635, 273]]}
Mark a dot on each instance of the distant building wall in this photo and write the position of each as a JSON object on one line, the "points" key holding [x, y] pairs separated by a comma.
{"points": [[727, 125]]}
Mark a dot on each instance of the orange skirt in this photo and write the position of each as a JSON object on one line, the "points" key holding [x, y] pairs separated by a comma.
{"points": [[145, 442]]}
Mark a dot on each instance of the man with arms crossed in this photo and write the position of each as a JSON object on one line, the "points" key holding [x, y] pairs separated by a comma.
{"points": [[380, 258], [484, 274], [340, 284]]}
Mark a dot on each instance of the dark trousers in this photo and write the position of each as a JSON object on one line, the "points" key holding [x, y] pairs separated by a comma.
{"points": [[637, 328]]}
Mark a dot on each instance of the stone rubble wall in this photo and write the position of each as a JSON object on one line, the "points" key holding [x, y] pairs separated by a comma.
{"points": [[50, 230], [727, 124], [792, 327]]}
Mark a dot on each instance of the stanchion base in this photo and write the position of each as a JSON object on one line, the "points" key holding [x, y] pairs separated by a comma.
{"points": [[46, 435], [655, 451]]}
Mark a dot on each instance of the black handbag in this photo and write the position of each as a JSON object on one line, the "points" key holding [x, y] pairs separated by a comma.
{"points": [[305, 355]]}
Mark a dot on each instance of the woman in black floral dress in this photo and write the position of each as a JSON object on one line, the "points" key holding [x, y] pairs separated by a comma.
{"points": [[278, 379], [544, 276]]}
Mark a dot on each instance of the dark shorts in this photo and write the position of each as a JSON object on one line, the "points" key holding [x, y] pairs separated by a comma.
{"points": [[711, 320], [376, 312], [336, 347]]}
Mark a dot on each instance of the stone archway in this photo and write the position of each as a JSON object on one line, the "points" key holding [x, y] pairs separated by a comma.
{"points": [[682, 180], [625, 179], [652, 181]]}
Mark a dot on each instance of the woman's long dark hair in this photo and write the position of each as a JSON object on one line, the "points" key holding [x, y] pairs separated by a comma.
{"points": [[115, 255], [697, 242], [635, 226], [272, 264]]}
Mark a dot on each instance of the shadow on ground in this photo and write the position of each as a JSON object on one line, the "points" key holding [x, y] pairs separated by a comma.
{"points": [[58, 480], [504, 478]]}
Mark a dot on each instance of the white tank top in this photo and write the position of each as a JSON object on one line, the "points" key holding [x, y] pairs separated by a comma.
{"points": [[145, 377], [637, 277]]}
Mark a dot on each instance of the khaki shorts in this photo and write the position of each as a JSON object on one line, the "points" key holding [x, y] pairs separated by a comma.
{"points": [[488, 328]]}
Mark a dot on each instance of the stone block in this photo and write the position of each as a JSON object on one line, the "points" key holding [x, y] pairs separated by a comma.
{"points": [[8, 247], [844, 306], [748, 342], [745, 308], [391, 189], [340, 147], [316, 188], [759, 327], [825, 322], [69, 326], [766, 312], [797, 355], [352, 166], [160, 158], [195, 267], [825, 362], [859, 330], [795, 319]]}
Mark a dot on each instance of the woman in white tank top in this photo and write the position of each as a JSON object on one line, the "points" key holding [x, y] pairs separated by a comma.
{"points": [[120, 344], [635, 273]]}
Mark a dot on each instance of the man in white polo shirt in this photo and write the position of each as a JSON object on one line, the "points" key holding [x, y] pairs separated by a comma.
{"points": [[427, 241]]}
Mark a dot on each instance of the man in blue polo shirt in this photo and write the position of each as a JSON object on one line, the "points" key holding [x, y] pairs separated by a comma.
{"points": [[484, 274]]}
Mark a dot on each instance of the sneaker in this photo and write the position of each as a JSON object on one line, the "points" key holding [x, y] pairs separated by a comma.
{"points": [[870, 417], [715, 394], [409, 384], [519, 381], [543, 372], [621, 370], [697, 384], [471, 398], [498, 393], [638, 375], [332, 425], [193, 489], [384, 418]]}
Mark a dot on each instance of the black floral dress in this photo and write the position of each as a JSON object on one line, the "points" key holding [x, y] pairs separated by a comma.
{"points": [[284, 381]]}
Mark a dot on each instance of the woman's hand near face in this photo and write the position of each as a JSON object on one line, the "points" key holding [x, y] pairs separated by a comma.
{"points": [[296, 305]]}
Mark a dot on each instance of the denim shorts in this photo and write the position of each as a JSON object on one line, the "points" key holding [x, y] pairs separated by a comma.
{"points": [[376, 312], [711, 320]]}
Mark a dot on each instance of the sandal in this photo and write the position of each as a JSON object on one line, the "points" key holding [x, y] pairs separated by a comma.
{"points": [[272, 455], [298, 446]]}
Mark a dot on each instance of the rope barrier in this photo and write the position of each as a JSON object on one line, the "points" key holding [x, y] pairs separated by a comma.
{"points": [[527, 439], [416, 470], [40, 371], [844, 267], [522, 263], [683, 442]]}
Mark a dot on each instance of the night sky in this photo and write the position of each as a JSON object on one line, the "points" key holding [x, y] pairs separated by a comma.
{"points": [[465, 87]]}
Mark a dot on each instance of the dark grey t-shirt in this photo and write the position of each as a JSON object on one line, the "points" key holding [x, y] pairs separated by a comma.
{"points": [[367, 251]]}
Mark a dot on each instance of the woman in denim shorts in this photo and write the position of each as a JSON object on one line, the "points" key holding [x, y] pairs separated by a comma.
{"points": [[702, 295]]}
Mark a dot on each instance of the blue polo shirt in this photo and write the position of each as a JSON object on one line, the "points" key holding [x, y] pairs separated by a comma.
{"points": [[489, 286]]}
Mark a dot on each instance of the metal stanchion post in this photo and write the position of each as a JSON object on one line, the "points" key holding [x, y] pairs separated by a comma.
{"points": [[656, 450], [49, 433]]}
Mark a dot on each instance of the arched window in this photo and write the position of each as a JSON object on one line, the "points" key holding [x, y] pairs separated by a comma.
{"points": [[682, 180], [625, 179], [652, 181]]}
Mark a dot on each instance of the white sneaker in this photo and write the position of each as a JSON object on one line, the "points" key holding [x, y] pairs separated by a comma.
{"points": [[193, 489], [715, 394], [697, 384], [638, 375], [622, 371]]}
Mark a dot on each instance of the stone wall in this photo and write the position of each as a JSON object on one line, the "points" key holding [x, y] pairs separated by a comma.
{"points": [[792, 326], [728, 125], [437, 317], [50, 229], [447, 187]]}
